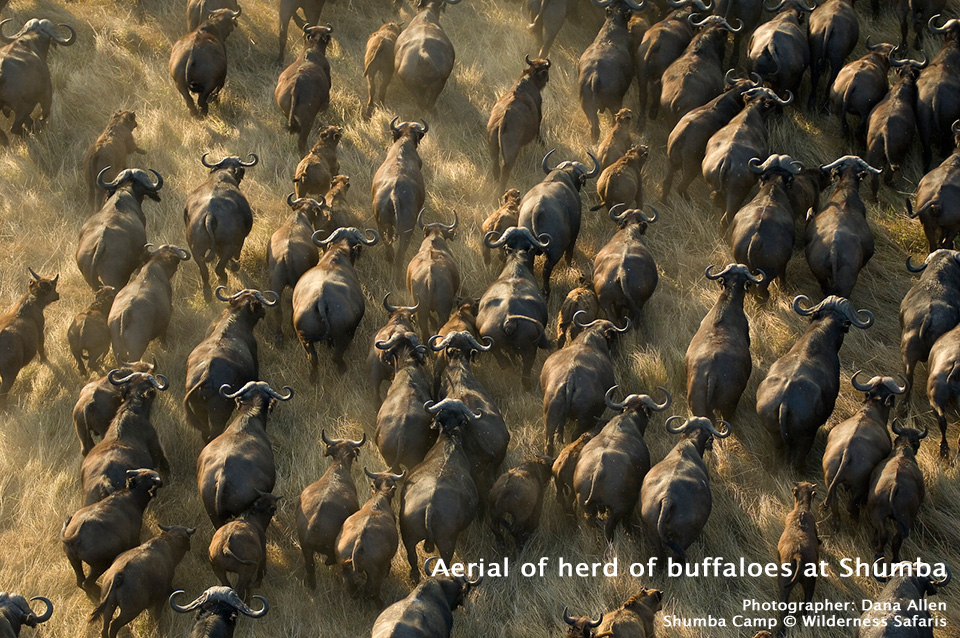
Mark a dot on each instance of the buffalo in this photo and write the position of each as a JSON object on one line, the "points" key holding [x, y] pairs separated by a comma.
{"points": [[21, 331], [219, 609], [718, 359], [778, 51], [515, 118], [858, 444], [516, 501], [433, 278], [612, 464], [328, 301], [512, 311], [398, 192], [378, 61], [501, 219], [141, 311], [15, 612], [131, 441], [938, 104], [839, 240], [553, 207], [198, 61], [142, 578], [798, 394], [110, 247], [303, 89], [98, 403], [368, 540], [605, 68], [424, 55], [896, 492], [240, 546], [799, 547], [227, 356], [441, 483], [675, 499], [88, 335], [325, 504], [624, 271], [218, 218], [861, 85], [937, 202], [617, 140], [763, 230], [942, 385], [575, 379], [24, 75], [109, 150], [237, 467], [317, 169], [834, 33]]}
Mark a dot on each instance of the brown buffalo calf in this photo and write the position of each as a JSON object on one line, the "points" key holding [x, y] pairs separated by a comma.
{"points": [[109, 151], [88, 333]]}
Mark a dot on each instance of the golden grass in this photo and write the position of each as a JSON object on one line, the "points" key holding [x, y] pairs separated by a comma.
{"points": [[120, 61]]}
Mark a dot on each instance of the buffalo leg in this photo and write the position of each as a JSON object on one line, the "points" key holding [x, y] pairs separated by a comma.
{"points": [[124, 618], [77, 565], [655, 101], [667, 181], [412, 560], [547, 271], [284, 24], [310, 567], [942, 423], [311, 349], [204, 275]]}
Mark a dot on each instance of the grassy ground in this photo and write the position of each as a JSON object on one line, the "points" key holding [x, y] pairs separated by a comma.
{"points": [[120, 61]]}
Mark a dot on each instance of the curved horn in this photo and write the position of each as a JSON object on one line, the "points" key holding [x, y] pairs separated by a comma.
{"points": [[897, 429], [252, 162], [426, 565], [70, 39], [608, 399], [955, 128], [456, 222], [596, 166], [730, 78], [326, 440], [420, 224], [3, 36], [720, 434], [203, 160], [576, 321], [678, 429], [783, 101], [755, 165], [219, 292], [254, 613], [711, 276], [595, 623], [861, 323], [47, 612], [879, 579], [526, 59], [946, 579], [935, 28], [432, 342], [185, 608], [862, 387], [393, 124], [157, 185], [114, 378], [544, 163], [656, 214], [107, 185], [926, 431], [358, 442], [291, 202], [634, 6], [800, 310], [653, 405], [370, 242], [389, 307], [566, 614], [775, 7], [903, 387], [160, 382], [183, 254], [912, 268], [615, 214], [726, 25], [278, 396], [261, 297]]}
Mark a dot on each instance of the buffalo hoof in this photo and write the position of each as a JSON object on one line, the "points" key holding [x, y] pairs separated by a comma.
{"points": [[945, 450]]}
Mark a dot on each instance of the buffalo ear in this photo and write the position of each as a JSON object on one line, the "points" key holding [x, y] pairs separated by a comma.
{"points": [[165, 528], [889, 401]]}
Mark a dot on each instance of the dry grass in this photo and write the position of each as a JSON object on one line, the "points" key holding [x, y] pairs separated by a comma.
{"points": [[120, 61]]}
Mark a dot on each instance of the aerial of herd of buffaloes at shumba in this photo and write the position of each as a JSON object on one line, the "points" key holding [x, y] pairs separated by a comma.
{"points": [[464, 454]]}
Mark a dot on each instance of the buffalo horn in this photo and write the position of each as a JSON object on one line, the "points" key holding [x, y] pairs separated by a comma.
{"points": [[544, 163], [48, 609], [677, 429]]}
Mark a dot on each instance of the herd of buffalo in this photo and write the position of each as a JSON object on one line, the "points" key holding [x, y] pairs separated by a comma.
{"points": [[439, 431]]}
